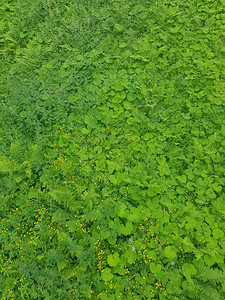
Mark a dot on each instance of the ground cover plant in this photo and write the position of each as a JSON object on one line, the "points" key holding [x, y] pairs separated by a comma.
{"points": [[112, 149]]}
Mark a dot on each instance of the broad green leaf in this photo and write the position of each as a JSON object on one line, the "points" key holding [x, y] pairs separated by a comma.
{"points": [[218, 233], [151, 254], [122, 210], [119, 28], [85, 130], [112, 239], [170, 253], [122, 45], [135, 215], [113, 259], [118, 86], [90, 121], [189, 270], [127, 229], [106, 274]]}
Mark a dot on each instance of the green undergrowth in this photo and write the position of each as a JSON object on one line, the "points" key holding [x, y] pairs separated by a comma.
{"points": [[112, 150]]}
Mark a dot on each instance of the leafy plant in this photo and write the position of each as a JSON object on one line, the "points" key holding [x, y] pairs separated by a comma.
{"points": [[112, 150]]}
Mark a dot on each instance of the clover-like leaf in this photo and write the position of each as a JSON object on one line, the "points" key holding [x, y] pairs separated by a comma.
{"points": [[118, 86], [189, 270], [170, 253], [127, 229], [113, 259], [106, 274]]}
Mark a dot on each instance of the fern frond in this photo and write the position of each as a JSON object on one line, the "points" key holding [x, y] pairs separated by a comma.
{"points": [[65, 197], [69, 272], [205, 274], [200, 290], [207, 292], [17, 152], [6, 165], [59, 216], [176, 281], [62, 264], [190, 289]]}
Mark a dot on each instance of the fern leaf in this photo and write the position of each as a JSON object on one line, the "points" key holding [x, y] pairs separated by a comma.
{"points": [[207, 292], [65, 197], [69, 272], [200, 290], [6, 165], [62, 264], [17, 152], [190, 289], [205, 274]]}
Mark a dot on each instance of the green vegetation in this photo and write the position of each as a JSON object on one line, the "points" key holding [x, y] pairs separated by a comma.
{"points": [[112, 149]]}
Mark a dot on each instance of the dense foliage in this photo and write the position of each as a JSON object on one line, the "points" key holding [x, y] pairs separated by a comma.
{"points": [[112, 149]]}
